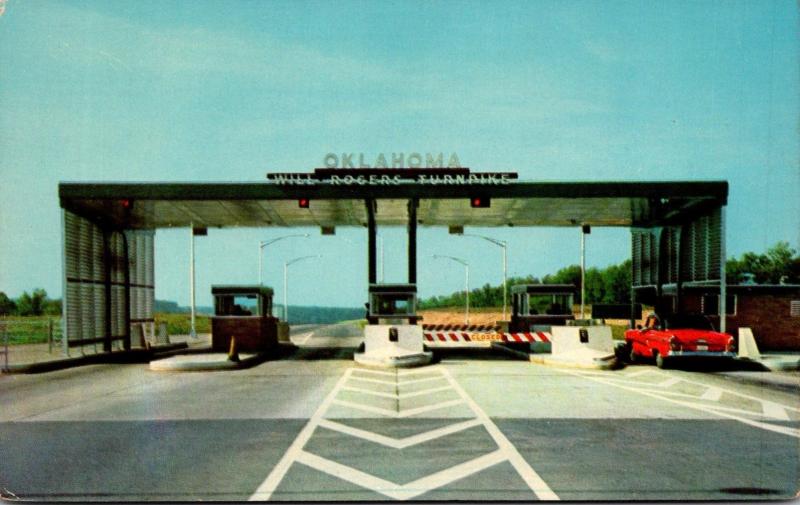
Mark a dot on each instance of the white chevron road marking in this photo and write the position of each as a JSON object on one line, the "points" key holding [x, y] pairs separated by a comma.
{"points": [[395, 413], [398, 491], [399, 443], [708, 408], [505, 451]]}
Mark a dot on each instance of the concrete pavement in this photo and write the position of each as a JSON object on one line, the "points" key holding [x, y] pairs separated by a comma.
{"points": [[476, 426]]}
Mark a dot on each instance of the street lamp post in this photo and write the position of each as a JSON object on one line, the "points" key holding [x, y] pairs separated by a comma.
{"points": [[503, 245], [466, 283], [264, 243], [286, 282]]}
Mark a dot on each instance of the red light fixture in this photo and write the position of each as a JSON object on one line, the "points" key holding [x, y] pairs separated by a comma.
{"points": [[303, 203], [481, 202]]}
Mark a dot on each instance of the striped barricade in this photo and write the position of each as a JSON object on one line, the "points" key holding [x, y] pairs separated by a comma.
{"points": [[480, 339]]}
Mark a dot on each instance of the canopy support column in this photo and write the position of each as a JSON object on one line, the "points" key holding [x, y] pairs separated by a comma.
{"points": [[107, 290], [371, 249], [412, 240], [723, 281]]}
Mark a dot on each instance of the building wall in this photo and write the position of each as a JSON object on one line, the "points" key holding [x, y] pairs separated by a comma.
{"points": [[768, 315]]}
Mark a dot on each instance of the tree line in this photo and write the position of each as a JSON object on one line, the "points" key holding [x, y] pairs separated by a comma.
{"points": [[779, 264], [35, 303], [612, 284]]}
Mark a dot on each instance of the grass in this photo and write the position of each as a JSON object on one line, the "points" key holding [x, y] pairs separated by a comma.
{"points": [[29, 329], [180, 324]]}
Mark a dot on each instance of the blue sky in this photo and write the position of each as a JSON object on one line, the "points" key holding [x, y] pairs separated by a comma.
{"points": [[225, 91]]}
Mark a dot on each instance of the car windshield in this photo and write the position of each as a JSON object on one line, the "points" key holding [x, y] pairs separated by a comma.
{"points": [[688, 321]]}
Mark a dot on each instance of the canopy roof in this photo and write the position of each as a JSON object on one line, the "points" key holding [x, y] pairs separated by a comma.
{"points": [[159, 205]]}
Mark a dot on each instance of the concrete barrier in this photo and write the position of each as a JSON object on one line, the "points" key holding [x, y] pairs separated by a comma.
{"points": [[747, 345], [393, 345], [571, 338]]}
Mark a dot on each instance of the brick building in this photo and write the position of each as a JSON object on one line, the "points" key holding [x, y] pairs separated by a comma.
{"points": [[771, 311]]}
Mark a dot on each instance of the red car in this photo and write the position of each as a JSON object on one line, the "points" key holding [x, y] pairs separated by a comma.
{"points": [[678, 336]]}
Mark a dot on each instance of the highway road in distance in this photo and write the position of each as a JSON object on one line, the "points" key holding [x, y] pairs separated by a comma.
{"points": [[315, 426]]}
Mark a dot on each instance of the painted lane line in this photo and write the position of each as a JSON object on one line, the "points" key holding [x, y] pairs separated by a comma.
{"points": [[400, 491], [531, 478], [702, 407], [399, 443], [375, 381], [375, 372], [394, 413], [428, 408], [265, 490], [743, 395], [774, 410], [423, 392], [417, 371], [778, 415], [639, 373], [366, 408], [668, 383], [452, 474], [712, 394], [394, 396], [347, 473], [416, 381], [370, 392]]}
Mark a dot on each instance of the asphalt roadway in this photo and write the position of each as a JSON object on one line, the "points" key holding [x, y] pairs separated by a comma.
{"points": [[316, 426]]}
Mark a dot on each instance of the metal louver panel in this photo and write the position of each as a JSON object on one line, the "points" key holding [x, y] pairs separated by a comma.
{"points": [[84, 296], [701, 261], [644, 257]]}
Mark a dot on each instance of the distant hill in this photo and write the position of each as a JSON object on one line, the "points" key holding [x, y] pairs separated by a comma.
{"points": [[297, 314]]}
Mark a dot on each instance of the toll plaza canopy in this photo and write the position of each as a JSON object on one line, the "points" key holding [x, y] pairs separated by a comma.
{"points": [[158, 205], [677, 227]]}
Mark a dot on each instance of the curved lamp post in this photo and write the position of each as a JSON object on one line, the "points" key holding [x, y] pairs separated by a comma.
{"points": [[466, 283], [503, 244], [286, 282], [264, 243]]}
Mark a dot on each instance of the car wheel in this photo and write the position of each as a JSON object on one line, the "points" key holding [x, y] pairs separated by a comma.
{"points": [[660, 361], [633, 357]]}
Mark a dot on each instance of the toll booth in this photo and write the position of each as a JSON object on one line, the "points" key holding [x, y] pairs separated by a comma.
{"points": [[392, 336], [538, 307], [393, 304], [243, 312]]}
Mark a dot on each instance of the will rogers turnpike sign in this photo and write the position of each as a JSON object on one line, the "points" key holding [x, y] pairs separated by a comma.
{"points": [[342, 170]]}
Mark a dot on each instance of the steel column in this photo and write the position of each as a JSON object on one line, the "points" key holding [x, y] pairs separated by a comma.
{"points": [[412, 240], [723, 281], [107, 273], [127, 279], [371, 249]]}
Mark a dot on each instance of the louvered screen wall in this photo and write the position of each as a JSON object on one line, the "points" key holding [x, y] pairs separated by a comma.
{"points": [[85, 282], [702, 247], [85, 288], [644, 257], [701, 251]]}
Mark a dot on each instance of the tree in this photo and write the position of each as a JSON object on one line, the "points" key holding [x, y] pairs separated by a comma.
{"points": [[32, 304], [7, 305], [780, 262]]}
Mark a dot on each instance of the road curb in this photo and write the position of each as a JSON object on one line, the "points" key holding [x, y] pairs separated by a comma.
{"points": [[170, 365], [114, 357]]}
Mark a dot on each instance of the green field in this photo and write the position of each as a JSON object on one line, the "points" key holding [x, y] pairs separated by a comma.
{"points": [[29, 329], [179, 324]]}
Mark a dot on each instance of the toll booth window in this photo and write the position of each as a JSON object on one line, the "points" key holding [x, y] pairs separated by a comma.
{"points": [[386, 304], [549, 304], [237, 305]]}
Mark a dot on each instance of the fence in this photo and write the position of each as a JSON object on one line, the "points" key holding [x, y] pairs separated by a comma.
{"points": [[30, 340]]}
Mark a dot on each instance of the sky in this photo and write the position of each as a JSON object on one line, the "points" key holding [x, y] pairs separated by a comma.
{"points": [[229, 90]]}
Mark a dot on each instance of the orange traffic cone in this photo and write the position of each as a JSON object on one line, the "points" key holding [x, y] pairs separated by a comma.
{"points": [[233, 353]]}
